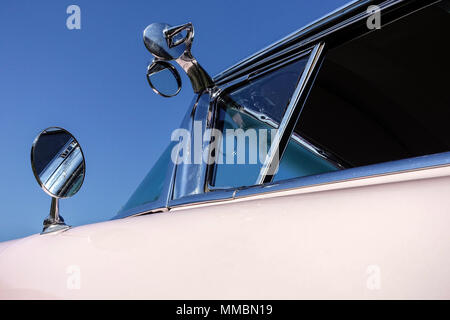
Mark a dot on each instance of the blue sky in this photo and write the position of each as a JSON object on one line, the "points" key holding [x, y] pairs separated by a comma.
{"points": [[92, 83]]}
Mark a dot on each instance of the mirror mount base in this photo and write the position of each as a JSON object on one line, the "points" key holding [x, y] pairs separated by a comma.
{"points": [[54, 222], [54, 227]]}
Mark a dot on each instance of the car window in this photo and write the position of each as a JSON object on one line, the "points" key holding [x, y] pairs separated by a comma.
{"points": [[150, 188], [380, 98], [299, 161], [267, 96], [376, 98], [238, 173], [256, 109]]}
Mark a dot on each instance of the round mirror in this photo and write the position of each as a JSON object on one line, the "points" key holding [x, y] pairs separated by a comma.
{"points": [[58, 162], [164, 79], [156, 42]]}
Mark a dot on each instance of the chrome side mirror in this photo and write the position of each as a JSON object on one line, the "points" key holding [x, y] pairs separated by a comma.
{"points": [[59, 167], [168, 43]]}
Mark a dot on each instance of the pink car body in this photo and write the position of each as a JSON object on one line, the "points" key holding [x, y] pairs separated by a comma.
{"points": [[383, 237]]}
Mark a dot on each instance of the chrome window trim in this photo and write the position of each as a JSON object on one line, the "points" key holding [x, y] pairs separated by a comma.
{"points": [[206, 197], [202, 113], [150, 207], [270, 64], [291, 116], [369, 171], [260, 70], [352, 174]]}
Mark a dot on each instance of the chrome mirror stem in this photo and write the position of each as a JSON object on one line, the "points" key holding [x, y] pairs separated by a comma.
{"points": [[200, 79], [54, 210], [54, 221]]}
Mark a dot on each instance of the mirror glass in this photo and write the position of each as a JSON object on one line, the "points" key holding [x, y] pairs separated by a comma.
{"points": [[164, 79], [156, 43], [58, 162]]}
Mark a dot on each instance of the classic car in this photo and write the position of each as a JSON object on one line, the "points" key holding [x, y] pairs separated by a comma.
{"points": [[319, 167]]}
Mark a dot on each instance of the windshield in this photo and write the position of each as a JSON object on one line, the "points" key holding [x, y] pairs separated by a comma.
{"points": [[150, 188]]}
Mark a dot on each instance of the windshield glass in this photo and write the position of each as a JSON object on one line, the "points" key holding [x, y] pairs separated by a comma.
{"points": [[150, 188]]}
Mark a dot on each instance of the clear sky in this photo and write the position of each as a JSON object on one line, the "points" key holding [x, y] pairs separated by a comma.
{"points": [[92, 82]]}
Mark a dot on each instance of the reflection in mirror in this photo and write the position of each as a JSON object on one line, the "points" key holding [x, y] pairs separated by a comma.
{"points": [[156, 42], [164, 79], [58, 162], [177, 39]]}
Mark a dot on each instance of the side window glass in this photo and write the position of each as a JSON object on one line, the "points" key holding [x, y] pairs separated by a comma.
{"points": [[300, 159], [247, 118], [378, 99]]}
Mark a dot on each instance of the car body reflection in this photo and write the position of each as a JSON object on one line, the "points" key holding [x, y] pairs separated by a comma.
{"points": [[64, 173]]}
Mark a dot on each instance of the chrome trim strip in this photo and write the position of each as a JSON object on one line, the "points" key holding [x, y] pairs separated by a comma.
{"points": [[260, 70], [207, 197], [190, 177], [150, 207], [290, 118], [370, 171], [266, 65], [385, 168]]}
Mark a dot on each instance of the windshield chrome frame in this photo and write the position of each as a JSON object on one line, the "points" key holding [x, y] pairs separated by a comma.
{"points": [[291, 116]]}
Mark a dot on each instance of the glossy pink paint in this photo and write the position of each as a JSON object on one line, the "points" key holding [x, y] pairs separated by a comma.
{"points": [[384, 237]]}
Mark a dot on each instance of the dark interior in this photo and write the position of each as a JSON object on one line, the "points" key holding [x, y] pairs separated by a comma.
{"points": [[385, 95]]}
